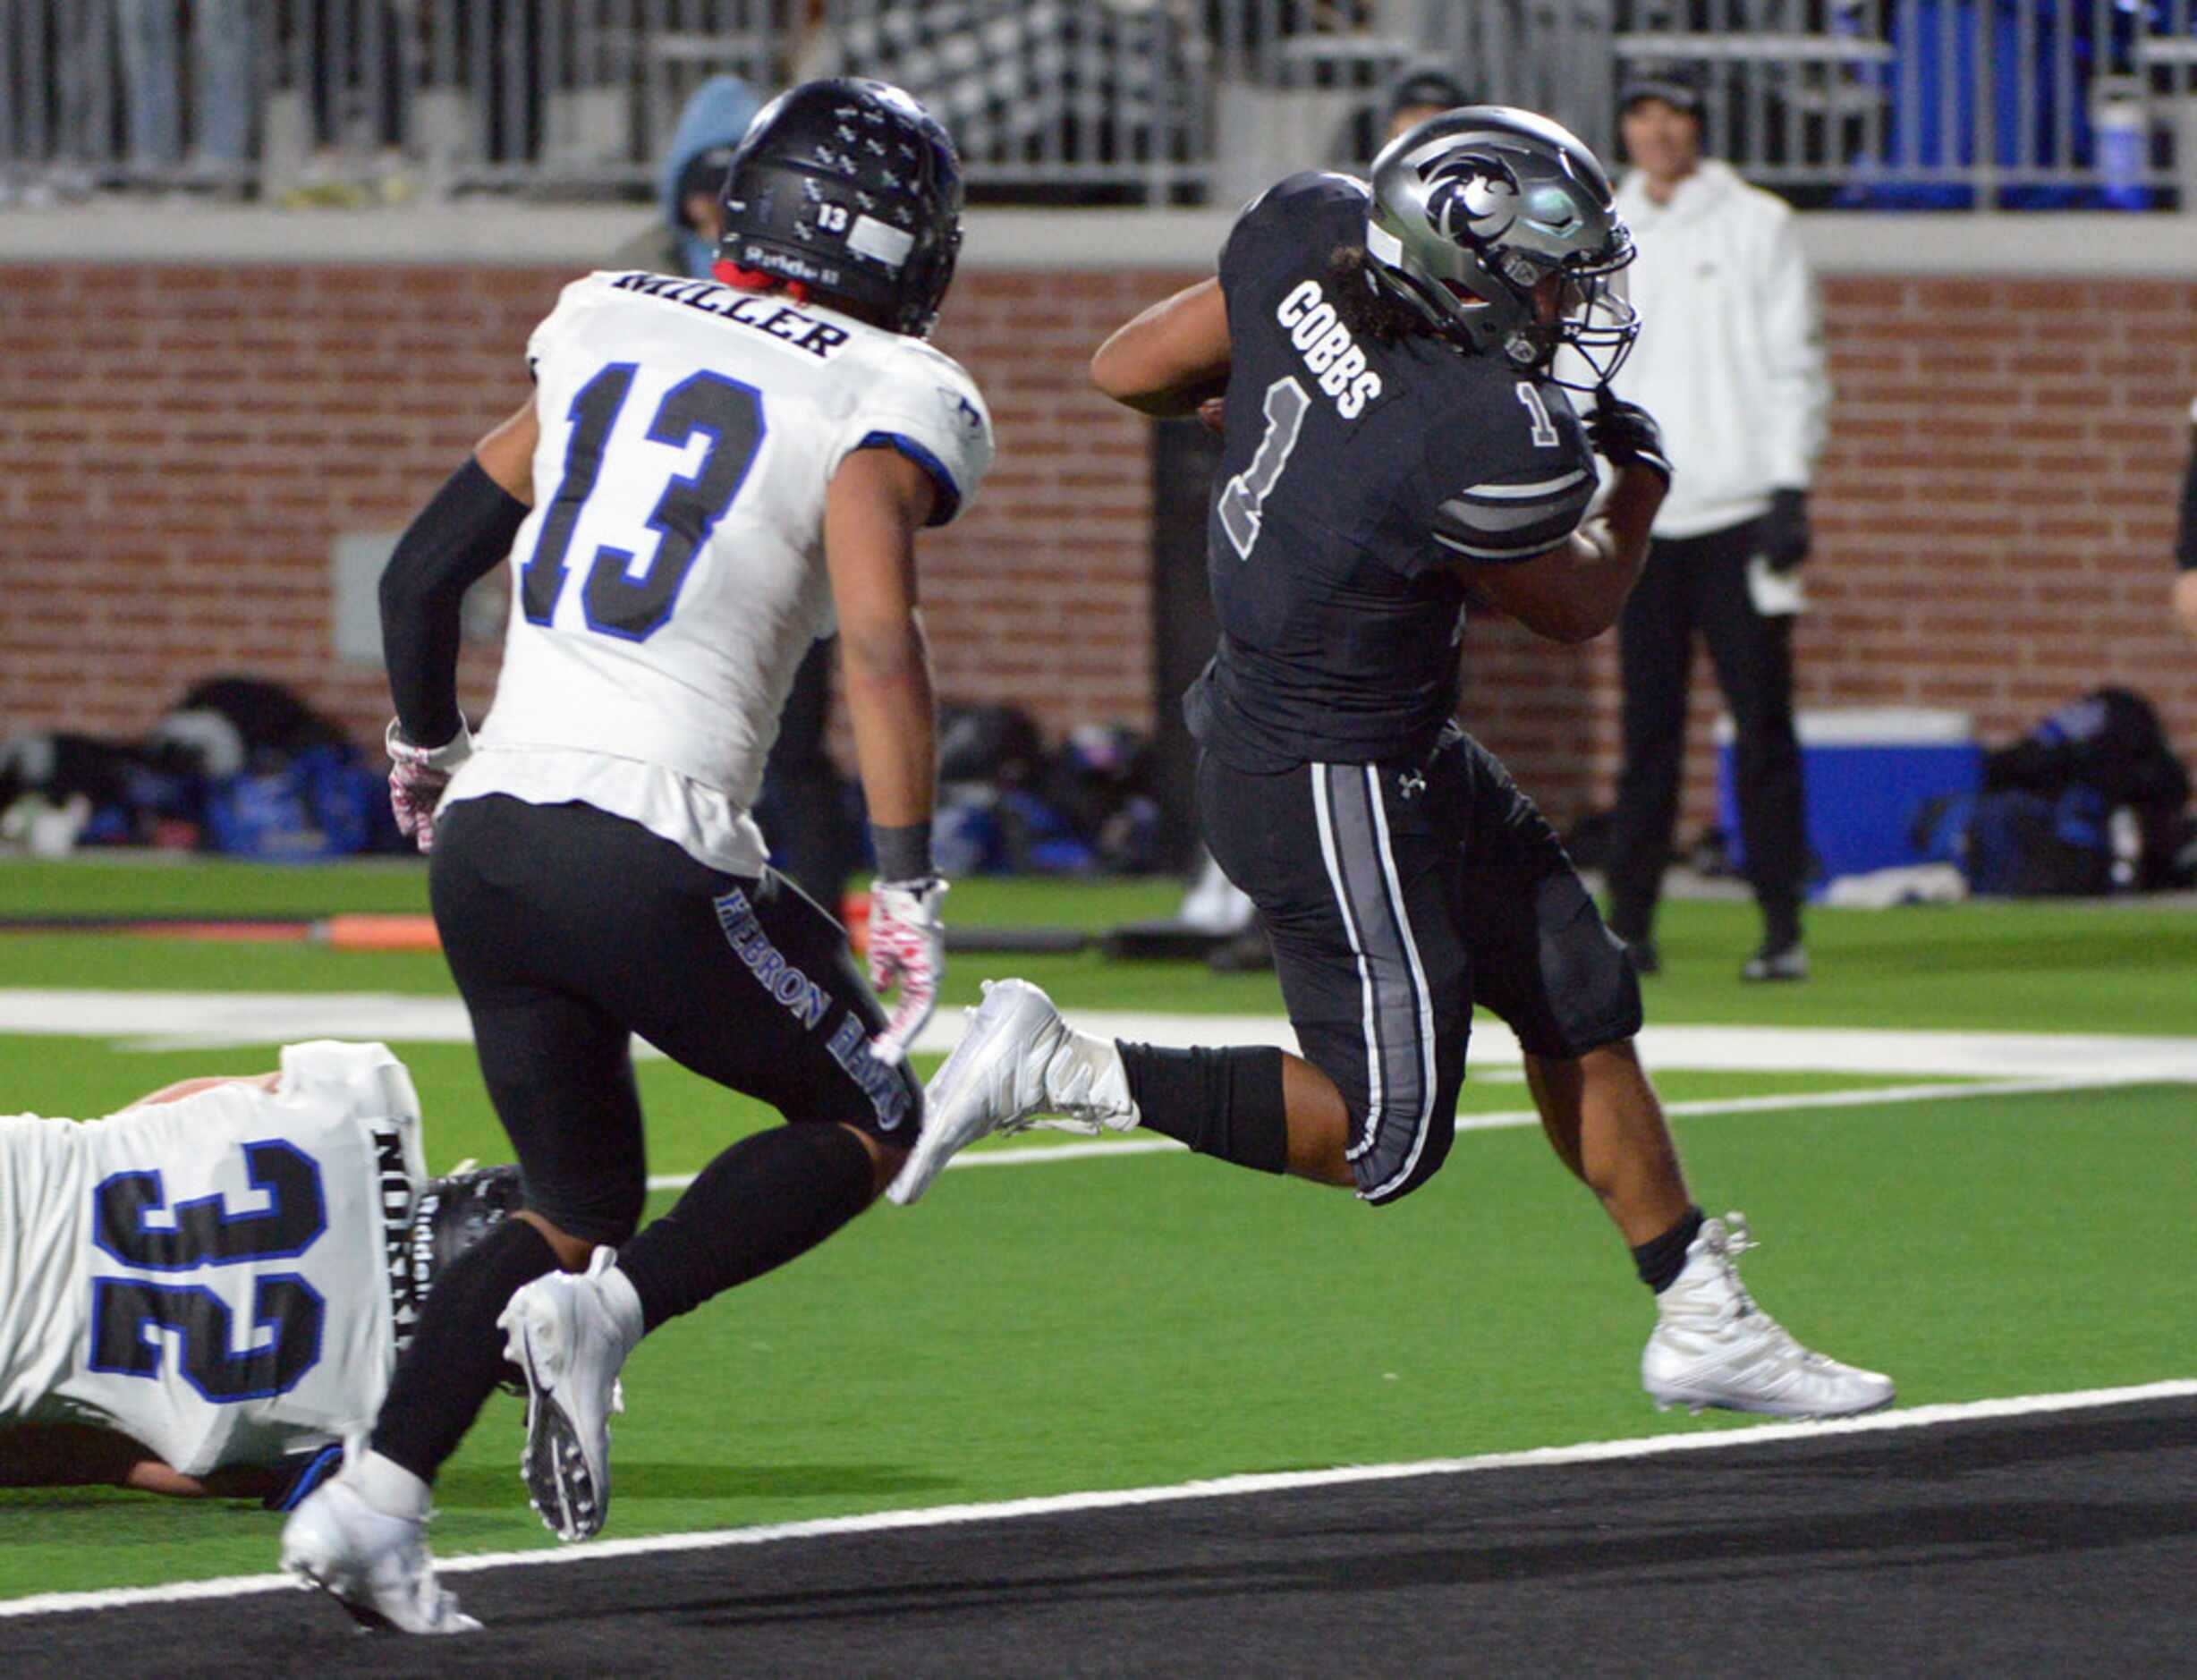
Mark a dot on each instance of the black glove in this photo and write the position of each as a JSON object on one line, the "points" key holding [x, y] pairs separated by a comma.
{"points": [[1785, 536], [1623, 433]]}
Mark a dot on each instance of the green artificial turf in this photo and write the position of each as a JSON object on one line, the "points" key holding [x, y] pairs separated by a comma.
{"points": [[2115, 966], [690, 1119], [1154, 1317]]}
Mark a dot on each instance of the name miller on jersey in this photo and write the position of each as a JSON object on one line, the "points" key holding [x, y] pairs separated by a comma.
{"points": [[1329, 354], [766, 315]]}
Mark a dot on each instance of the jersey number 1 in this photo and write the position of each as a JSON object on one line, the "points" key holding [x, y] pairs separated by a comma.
{"points": [[1544, 429], [619, 601], [1247, 492], [125, 1311]]}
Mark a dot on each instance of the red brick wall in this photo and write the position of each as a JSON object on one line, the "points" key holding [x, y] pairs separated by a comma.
{"points": [[178, 446]]}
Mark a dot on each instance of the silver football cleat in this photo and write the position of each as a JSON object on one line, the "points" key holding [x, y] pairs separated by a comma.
{"points": [[1712, 1346]]}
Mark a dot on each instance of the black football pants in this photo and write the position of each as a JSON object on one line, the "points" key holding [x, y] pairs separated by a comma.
{"points": [[568, 930], [1699, 584], [1398, 896]]}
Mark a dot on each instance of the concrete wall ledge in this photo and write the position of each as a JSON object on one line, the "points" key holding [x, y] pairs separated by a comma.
{"points": [[502, 234]]}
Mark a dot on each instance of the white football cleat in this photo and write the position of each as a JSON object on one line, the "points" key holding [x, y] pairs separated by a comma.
{"points": [[373, 1564], [1714, 1347], [565, 1337], [1018, 1060]]}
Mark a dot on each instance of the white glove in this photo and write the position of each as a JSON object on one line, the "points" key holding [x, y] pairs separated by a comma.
{"points": [[907, 949], [418, 775]]}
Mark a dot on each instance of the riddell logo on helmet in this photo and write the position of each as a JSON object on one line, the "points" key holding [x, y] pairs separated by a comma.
{"points": [[785, 266]]}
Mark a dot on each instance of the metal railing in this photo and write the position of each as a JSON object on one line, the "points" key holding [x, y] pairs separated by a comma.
{"points": [[1866, 103]]}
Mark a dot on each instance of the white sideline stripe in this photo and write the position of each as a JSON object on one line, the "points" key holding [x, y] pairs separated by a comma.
{"points": [[165, 1020], [1040, 1155], [1034, 1155], [1219, 1488]]}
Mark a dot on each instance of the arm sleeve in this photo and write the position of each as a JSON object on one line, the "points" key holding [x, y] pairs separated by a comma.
{"points": [[455, 540], [932, 412], [1794, 364]]}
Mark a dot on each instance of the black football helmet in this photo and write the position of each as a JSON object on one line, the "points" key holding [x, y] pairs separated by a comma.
{"points": [[1473, 208], [851, 187], [451, 1215]]}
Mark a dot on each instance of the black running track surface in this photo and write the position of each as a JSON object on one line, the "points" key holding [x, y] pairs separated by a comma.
{"points": [[2058, 1543]]}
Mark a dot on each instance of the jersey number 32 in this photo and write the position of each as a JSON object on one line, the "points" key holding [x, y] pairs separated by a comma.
{"points": [[132, 1223]]}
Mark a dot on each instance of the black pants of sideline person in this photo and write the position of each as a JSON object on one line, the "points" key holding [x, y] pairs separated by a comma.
{"points": [[1699, 584]]}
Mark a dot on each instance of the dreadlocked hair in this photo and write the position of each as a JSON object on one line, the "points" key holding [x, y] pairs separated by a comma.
{"points": [[1364, 305]]}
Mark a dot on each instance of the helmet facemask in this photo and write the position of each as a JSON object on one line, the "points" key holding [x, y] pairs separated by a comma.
{"points": [[1595, 319], [1474, 209]]}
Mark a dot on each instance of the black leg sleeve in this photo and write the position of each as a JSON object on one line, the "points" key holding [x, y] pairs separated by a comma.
{"points": [[765, 1200], [457, 1353], [1227, 1104]]}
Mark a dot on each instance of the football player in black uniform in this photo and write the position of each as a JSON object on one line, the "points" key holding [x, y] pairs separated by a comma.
{"points": [[1396, 449]]}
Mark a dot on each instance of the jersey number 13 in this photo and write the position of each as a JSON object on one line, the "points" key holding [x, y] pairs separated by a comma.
{"points": [[620, 599]]}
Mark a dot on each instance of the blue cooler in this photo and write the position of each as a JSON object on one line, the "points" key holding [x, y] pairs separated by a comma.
{"points": [[1867, 770]]}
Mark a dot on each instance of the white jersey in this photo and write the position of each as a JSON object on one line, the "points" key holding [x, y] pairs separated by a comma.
{"points": [[211, 1276], [671, 578]]}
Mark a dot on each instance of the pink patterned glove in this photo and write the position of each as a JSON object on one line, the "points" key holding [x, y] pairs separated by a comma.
{"points": [[418, 775], [907, 949]]}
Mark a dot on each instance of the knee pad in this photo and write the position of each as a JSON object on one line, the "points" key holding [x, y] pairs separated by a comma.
{"points": [[1592, 989]]}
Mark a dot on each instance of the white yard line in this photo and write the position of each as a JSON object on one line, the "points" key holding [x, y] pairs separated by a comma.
{"points": [[1221, 1487], [170, 1021], [1044, 1154]]}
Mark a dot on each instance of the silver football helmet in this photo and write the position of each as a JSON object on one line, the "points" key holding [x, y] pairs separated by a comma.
{"points": [[1473, 209]]}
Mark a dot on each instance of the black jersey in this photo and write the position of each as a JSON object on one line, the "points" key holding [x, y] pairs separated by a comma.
{"points": [[1355, 479]]}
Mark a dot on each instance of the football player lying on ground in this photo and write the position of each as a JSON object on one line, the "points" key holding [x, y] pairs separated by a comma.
{"points": [[710, 474], [202, 1294], [1396, 445]]}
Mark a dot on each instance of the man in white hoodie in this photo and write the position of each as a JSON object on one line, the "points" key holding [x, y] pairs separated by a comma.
{"points": [[1731, 360]]}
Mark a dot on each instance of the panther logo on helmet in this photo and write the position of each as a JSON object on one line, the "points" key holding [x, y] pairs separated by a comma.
{"points": [[1471, 198]]}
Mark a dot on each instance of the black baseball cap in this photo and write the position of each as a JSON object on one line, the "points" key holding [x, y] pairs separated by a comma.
{"points": [[1426, 84], [1678, 86]]}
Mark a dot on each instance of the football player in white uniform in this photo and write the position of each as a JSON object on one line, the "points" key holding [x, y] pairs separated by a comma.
{"points": [[709, 475], [203, 1293]]}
